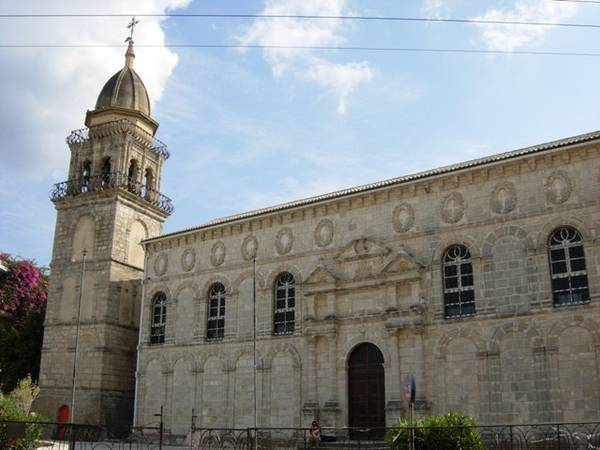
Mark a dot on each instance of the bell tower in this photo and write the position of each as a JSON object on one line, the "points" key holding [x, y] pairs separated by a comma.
{"points": [[110, 203]]}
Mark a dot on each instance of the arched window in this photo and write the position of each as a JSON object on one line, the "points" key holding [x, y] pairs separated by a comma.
{"points": [[148, 191], [159, 318], [284, 315], [459, 293], [567, 267], [133, 183], [106, 173], [86, 173], [215, 328]]}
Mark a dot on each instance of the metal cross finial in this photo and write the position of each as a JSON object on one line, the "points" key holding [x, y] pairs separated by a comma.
{"points": [[131, 26]]}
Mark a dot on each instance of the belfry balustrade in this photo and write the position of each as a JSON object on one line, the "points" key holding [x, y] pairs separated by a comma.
{"points": [[87, 183], [113, 180], [122, 126]]}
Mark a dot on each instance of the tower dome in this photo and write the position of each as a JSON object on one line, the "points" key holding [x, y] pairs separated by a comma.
{"points": [[125, 89], [124, 96]]}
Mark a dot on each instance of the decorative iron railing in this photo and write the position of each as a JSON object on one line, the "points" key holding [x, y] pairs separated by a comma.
{"points": [[119, 127], [59, 436], [510, 437], [68, 436], [114, 180]]}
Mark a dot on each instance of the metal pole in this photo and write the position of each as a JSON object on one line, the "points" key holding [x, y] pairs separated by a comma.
{"points": [[82, 279], [160, 428], [193, 428], [254, 347], [139, 344], [411, 406]]}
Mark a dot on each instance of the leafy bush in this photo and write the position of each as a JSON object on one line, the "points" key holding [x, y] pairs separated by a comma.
{"points": [[18, 428], [451, 431]]}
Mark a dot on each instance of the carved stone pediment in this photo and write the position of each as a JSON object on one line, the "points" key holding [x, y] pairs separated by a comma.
{"points": [[402, 263], [320, 276], [362, 248]]}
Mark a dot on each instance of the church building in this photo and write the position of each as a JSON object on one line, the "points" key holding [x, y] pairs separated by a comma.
{"points": [[480, 281]]}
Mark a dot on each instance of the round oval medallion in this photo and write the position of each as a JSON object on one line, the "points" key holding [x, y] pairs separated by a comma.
{"points": [[403, 218], [284, 241], [249, 247], [558, 188], [324, 233], [160, 264], [504, 198], [188, 259], [217, 254], [453, 208]]}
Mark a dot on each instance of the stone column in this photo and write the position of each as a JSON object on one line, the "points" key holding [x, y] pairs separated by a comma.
{"points": [[421, 405], [310, 409], [547, 383], [168, 407], [332, 407], [393, 381]]}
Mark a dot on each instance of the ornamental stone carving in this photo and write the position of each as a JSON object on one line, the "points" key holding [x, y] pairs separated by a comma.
{"points": [[249, 247], [324, 233], [188, 259], [217, 253], [558, 188], [160, 264], [403, 217], [504, 198], [453, 207], [284, 241]]}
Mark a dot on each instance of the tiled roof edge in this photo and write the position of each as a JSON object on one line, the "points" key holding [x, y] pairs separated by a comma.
{"points": [[583, 138]]}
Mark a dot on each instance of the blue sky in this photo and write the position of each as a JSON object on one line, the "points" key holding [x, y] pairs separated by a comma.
{"points": [[250, 127]]}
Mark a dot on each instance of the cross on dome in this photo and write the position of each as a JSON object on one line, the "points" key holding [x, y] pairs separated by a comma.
{"points": [[131, 25]]}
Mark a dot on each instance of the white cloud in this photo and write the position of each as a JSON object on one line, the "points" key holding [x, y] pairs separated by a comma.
{"points": [[513, 37], [48, 89], [433, 8], [340, 79]]}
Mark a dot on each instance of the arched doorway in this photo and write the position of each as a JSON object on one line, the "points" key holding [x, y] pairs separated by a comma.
{"points": [[63, 419], [366, 391]]}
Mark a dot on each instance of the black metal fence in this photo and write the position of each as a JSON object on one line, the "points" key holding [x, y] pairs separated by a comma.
{"points": [[54, 436], [67, 436]]}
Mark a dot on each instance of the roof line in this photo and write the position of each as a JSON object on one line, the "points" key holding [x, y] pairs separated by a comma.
{"points": [[579, 139]]}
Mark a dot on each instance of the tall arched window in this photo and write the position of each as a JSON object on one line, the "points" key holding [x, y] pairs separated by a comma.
{"points": [[159, 318], [86, 173], [284, 315], [148, 191], [215, 328], [567, 267], [106, 173], [133, 183], [459, 293]]}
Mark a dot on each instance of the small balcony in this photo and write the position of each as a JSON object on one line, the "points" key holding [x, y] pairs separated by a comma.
{"points": [[109, 181]]}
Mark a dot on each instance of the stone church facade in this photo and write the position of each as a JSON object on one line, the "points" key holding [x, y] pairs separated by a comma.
{"points": [[479, 279]]}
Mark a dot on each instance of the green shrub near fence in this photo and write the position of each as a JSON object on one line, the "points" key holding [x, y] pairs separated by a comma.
{"points": [[451, 431], [18, 430]]}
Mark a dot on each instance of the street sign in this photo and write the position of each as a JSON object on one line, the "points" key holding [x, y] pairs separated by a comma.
{"points": [[409, 389]]}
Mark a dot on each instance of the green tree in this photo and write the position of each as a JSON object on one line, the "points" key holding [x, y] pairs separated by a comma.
{"points": [[20, 351], [23, 295]]}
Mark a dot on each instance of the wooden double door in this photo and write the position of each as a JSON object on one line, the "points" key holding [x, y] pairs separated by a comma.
{"points": [[366, 392]]}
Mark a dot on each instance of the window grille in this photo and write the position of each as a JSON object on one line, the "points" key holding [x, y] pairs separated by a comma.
{"points": [[459, 293], [215, 329], [284, 315], [159, 319], [567, 267]]}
